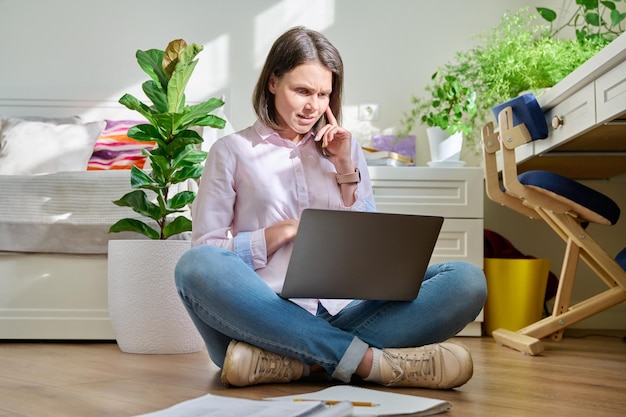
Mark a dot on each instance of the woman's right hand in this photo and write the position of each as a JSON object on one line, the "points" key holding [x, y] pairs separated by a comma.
{"points": [[279, 234]]}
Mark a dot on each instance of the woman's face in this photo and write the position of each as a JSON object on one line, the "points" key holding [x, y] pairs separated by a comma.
{"points": [[301, 97]]}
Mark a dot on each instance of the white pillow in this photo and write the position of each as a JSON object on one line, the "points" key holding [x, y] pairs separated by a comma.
{"points": [[33, 147]]}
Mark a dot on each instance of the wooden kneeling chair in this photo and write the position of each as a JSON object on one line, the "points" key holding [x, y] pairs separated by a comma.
{"points": [[567, 207]]}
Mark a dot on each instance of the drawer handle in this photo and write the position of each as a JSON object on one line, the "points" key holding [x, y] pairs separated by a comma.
{"points": [[557, 122]]}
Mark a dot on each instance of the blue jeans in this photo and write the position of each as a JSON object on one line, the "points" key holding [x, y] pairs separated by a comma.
{"points": [[227, 300]]}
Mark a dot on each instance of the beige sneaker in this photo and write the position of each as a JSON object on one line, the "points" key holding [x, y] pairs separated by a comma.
{"points": [[248, 365], [442, 366]]}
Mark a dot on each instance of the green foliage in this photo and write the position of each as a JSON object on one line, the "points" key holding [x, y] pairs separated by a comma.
{"points": [[449, 106], [516, 56], [589, 19], [176, 157]]}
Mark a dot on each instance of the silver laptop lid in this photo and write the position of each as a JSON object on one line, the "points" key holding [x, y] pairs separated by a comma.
{"points": [[360, 255]]}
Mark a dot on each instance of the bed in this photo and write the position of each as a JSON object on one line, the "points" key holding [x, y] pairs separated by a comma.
{"points": [[55, 211]]}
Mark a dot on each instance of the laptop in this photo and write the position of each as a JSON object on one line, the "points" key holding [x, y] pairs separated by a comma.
{"points": [[360, 255]]}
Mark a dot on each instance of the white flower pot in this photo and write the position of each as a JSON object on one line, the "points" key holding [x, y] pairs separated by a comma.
{"points": [[444, 147], [146, 312]]}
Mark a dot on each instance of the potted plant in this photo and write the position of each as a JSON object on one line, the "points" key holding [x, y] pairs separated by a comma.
{"points": [[518, 55], [448, 112], [146, 314]]}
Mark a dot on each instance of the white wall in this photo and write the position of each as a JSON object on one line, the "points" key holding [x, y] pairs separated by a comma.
{"points": [[84, 50], [73, 51]]}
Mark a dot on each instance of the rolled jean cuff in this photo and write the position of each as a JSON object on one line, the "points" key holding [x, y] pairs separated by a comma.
{"points": [[350, 360]]}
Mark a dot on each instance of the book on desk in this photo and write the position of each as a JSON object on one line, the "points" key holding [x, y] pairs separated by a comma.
{"points": [[375, 157]]}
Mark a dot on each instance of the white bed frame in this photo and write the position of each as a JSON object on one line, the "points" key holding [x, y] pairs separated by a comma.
{"points": [[59, 296]]}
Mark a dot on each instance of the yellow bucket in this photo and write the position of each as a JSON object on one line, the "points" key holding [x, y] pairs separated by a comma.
{"points": [[515, 292]]}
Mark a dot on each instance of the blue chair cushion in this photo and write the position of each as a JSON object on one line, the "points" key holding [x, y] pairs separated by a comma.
{"points": [[574, 191], [526, 110]]}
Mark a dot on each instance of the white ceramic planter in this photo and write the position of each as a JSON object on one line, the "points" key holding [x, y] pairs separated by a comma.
{"points": [[146, 312], [444, 147]]}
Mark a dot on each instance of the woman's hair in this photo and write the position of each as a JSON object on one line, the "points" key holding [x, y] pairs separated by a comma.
{"points": [[295, 47]]}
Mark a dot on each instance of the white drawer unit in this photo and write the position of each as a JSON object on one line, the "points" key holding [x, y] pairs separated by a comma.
{"points": [[454, 193], [569, 118], [611, 94]]}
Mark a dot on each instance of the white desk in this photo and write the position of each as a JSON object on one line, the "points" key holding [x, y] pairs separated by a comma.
{"points": [[588, 109]]}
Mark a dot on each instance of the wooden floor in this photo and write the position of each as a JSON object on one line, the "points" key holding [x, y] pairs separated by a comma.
{"points": [[584, 375]]}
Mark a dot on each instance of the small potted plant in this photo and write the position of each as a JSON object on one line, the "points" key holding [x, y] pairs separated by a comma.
{"points": [[448, 113], [146, 313]]}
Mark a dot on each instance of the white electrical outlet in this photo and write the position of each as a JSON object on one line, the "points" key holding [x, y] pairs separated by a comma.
{"points": [[368, 112]]}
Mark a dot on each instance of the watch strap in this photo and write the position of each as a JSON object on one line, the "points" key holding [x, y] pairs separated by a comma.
{"points": [[351, 178]]}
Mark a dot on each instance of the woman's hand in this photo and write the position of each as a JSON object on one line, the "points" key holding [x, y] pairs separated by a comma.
{"points": [[337, 143], [279, 234]]}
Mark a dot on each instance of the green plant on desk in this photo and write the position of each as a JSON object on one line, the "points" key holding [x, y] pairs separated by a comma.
{"points": [[451, 106], [513, 57]]}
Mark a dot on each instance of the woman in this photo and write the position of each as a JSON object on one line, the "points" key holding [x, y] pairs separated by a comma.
{"points": [[255, 185]]}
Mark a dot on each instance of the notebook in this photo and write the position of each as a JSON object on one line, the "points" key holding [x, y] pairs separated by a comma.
{"points": [[370, 402], [360, 255]]}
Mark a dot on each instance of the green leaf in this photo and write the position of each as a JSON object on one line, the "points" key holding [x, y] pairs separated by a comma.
{"points": [[180, 141], [189, 156], [139, 179], [179, 225], [132, 103], [151, 63], [134, 225], [180, 77], [191, 52], [185, 173], [144, 133], [593, 19], [158, 97], [160, 165], [138, 201], [188, 136], [211, 120], [200, 111], [169, 122], [588, 4], [547, 14], [617, 17], [176, 87], [181, 200], [609, 5]]}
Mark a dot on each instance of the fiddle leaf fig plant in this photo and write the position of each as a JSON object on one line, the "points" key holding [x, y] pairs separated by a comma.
{"points": [[176, 158]]}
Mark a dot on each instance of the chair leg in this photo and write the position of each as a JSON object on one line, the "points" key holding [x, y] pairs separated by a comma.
{"points": [[566, 284], [579, 246], [527, 340]]}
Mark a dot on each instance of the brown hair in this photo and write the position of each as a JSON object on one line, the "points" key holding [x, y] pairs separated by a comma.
{"points": [[295, 47]]}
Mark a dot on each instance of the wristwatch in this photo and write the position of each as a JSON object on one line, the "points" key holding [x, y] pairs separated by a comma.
{"points": [[351, 178]]}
